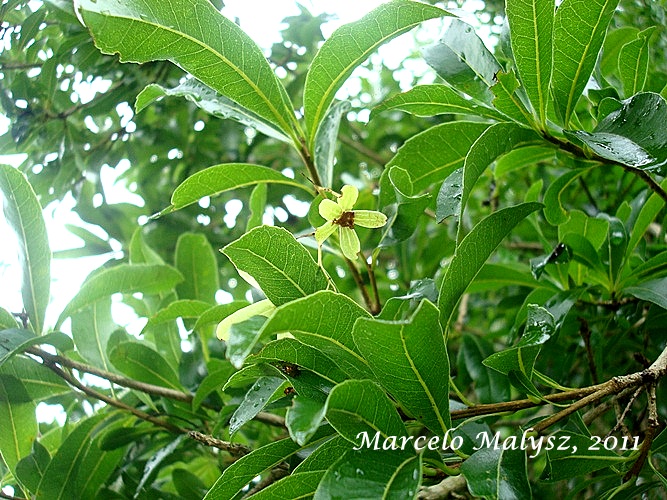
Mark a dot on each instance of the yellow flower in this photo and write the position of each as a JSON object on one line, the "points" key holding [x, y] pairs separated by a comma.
{"points": [[339, 215]]}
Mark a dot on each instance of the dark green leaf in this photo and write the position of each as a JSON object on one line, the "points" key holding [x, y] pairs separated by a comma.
{"points": [[30, 470], [24, 215], [207, 45], [448, 203], [498, 474], [282, 266], [302, 485], [19, 423], [473, 251], [303, 418], [633, 63], [215, 380], [257, 204], [39, 382], [508, 98], [337, 58], [196, 261], [91, 329], [653, 291], [409, 359], [579, 30], [553, 209]]}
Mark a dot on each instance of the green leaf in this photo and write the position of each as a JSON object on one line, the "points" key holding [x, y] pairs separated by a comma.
{"points": [[217, 377], [24, 215], [178, 309], [633, 135], [633, 62], [302, 485], [372, 474], [652, 291], [431, 155], [508, 98], [123, 278], [521, 357], [30, 470], [338, 57], [323, 321], [207, 45], [39, 382], [241, 472], [531, 31], [324, 455], [144, 364], [303, 418], [217, 313], [7, 321], [15, 341], [220, 178], [326, 141], [59, 480], [210, 101], [91, 329], [409, 359], [282, 266], [496, 473], [473, 251], [196, 261], [448, 203], [461, 58], [553, 209], [430, 100], [305, 356], [594, 229], [97, 465], [187, 484], [526, 156], [650, 209], [490, 386], [361, 407], [579, 30], [257, 204], [494, 142], [19, 423], [579, 458], [262, 392]]}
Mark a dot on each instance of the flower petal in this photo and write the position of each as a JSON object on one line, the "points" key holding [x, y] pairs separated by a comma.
{"points": [[349, 243], [330, 210], [349, 195], [324, 231], [369, 218]]}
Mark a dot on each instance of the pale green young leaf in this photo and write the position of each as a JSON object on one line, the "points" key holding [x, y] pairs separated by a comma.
{"points": [[579, 31], [472, 253], [349, 46], [24, 215], [282, 266], [531, 32], [194, 35], [409, 358], [633, 62], [431, 100], [124, 278], [220, 178], [210, 101]]}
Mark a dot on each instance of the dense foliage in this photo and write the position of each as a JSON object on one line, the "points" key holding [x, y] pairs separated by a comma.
{"points": [[503, 314]]}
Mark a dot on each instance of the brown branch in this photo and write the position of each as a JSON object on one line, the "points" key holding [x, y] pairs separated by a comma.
{"points": [[360, 148], [377, 305], [360, 283], [235, 449], [19, 66]]}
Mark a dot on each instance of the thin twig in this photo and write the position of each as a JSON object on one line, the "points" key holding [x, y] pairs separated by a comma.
{"points": [[370, 268], [360, 148], [360, 283]]}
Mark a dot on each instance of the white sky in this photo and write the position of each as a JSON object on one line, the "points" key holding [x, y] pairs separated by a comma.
{"points": [[68, 274]]}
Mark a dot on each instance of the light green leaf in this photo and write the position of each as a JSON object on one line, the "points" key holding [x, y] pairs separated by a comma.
{"points": [[653, 291], [326, 141], [553, 209], [24, 215], [142, 363], [579, 30], [409, 359], [257, 205], [361, 406], [220, 178], [7, 321], [196, 261], [324, 455], [430, 100], [508, 98], [304, 417], [473, 251], [59, 480], [282, 266], [39, 382], [448, 203], [531, 32], [324, 321], [390, 475], [297, 486], [97, 465], [30, 470], [210, 101], [526, 156], [633, 63], [123, 278], [241, 472], [19, 423], [349, 46], [194, 35], [497, 474], [430, 156], [594, 229], [650, 209], [178, 309], [91, 329], [217, 313]]}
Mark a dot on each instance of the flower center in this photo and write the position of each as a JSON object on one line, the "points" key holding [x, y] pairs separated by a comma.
{"points": [[346, 219]]}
